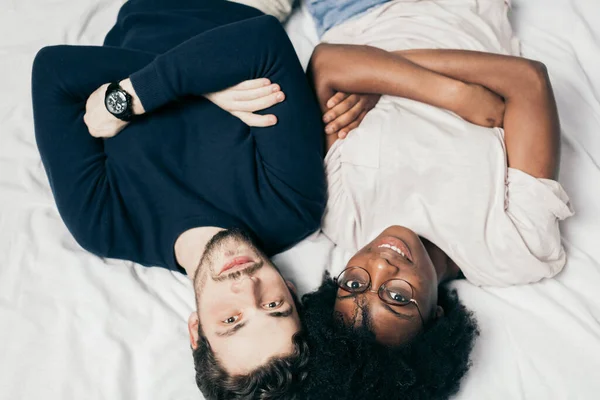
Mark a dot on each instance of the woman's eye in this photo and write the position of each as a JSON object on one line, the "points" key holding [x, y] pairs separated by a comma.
{"points": [[397, 296], [231, 320], [353, 284], [273, 304]]}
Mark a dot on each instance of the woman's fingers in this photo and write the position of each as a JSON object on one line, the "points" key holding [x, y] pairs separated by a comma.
{"points": [[360, 118], [341, 108], [336, 99], [346, 117], [345, 131], [256, 120]]}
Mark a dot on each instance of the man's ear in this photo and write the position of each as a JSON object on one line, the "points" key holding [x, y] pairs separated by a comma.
{"points": [[439, 312], [292, 287], [193, 323]]}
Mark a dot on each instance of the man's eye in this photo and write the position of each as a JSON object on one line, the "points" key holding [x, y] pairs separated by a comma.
{"points": [[273, 304], [231, 320]]}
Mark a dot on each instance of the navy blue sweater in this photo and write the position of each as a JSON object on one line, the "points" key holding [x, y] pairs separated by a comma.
{"points": [[186, 163]]}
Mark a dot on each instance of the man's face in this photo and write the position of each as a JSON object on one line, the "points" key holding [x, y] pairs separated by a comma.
{"points": [[244, 305]]}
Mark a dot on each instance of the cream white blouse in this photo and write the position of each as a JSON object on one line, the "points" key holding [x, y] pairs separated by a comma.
{"points": [[427, 169], [281, 9]]}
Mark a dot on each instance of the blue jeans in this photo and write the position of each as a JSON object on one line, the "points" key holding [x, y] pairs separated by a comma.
{"points": [[329, 13]]}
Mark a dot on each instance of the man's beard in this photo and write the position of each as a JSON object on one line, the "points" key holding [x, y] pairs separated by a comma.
{"points": [[206, 268]]}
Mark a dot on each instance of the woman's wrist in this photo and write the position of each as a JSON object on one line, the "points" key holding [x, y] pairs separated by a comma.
{"points": [[455, 94]]}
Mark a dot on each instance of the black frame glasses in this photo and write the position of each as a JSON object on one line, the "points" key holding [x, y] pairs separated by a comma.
{"points": [[381, 291]]}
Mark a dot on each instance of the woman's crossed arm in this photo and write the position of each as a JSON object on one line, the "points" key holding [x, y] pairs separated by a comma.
{"points": [[371, 72]]}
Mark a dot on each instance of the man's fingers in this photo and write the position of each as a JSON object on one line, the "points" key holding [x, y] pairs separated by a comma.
{"points": [[252, 84], [336, 99], [261, 103], [256, 120], [256, 93], [344, 119], [341, 108]]}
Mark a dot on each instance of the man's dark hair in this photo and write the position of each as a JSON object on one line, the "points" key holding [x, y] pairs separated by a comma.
{"points": [[280, 378], [348, 363]]}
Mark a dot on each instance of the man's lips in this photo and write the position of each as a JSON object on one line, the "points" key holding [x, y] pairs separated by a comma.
{"points": [[237, 264]]}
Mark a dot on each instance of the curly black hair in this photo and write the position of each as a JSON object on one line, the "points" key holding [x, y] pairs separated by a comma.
{"points": [[280, 378], [348, 363]]}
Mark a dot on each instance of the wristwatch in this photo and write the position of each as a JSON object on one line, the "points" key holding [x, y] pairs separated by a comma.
{"points": [[118, 102]]}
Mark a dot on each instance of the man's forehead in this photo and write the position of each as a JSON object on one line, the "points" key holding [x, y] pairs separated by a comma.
{"points": [[248, 350]]}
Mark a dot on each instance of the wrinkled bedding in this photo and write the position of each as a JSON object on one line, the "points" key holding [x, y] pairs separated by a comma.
{"points": [[74, 326]]}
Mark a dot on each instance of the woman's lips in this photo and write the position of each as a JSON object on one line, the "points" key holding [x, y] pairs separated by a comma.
{"points": [[395, 244], [238, 263]]}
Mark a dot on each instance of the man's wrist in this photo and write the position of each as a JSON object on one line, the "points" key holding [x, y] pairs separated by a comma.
{"points": [[136, 105]]}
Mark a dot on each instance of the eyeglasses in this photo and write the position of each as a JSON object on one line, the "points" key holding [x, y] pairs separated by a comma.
{"points": [[395, 292]]}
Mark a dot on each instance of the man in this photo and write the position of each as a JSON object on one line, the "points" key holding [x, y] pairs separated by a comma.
{"points": [[147, 169]]}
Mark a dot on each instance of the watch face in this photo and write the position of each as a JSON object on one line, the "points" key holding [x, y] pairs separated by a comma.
{"points": [[116, 102]]}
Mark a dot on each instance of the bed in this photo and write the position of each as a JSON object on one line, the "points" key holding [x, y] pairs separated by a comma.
{"points": [[74, 326]]}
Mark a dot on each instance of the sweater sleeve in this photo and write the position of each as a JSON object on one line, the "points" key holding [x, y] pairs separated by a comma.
{"points": [[211, 61], [62, 79], [291, 151]]}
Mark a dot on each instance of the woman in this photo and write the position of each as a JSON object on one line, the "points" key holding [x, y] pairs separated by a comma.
{"points": [[427, 196]]}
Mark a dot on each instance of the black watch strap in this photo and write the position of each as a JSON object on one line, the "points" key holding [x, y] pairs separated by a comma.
{"points": [[115, 93]]}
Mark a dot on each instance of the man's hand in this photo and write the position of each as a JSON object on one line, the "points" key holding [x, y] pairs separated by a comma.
{"points": [[244, 99], [346, 112], [480, 106], [99, 121]]}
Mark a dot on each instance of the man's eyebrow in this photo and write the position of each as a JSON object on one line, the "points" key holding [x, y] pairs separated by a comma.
{"points": [[276, 314], [232, 331], [282, 314]]}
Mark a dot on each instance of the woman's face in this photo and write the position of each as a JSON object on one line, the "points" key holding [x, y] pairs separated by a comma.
{"points": [[397, 253]]}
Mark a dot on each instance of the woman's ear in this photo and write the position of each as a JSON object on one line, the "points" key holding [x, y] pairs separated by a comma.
{"points": [[439, 312], [193, 323]]}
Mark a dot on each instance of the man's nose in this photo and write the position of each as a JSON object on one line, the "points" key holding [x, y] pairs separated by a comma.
{"points": [[244, 285]]}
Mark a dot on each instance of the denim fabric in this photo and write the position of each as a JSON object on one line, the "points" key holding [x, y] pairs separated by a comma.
{"points": [[329, 13]]}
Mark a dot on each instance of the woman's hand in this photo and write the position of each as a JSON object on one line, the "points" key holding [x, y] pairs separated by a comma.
{"points": [[480, 106], [101, 123], [346, 112], [244, 99]]}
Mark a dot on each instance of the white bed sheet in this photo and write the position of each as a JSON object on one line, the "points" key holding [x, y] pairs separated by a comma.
{"points": [[73, 326]]}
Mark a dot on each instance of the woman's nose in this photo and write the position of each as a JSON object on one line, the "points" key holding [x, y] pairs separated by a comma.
{"points": [[382, 265], [381, 270]]}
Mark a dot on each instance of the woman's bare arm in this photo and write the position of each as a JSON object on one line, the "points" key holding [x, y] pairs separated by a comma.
{"points": [[369, 70], [531, 123], [365, 69]]}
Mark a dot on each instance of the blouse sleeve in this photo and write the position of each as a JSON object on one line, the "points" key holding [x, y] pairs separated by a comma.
{"points": [[536, 206]]}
